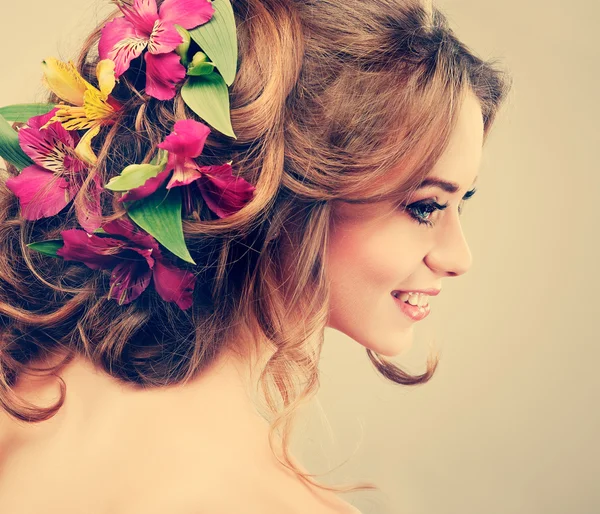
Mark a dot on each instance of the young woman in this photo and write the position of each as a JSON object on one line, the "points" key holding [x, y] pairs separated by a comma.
{"points": [[359, 127]]}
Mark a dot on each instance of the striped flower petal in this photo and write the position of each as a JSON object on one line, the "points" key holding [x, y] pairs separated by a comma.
{"points": [[73, 118], [128, 280], [164, 38], [96, 107], [121, 42], [142, 14], [46, 187], [48, 147]]}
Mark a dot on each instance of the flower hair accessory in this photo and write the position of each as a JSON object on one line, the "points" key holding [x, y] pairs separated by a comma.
{"points": [[189, 47]]}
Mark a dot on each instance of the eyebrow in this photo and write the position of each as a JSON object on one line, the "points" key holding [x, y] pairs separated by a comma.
{"points": [[449, 187]]}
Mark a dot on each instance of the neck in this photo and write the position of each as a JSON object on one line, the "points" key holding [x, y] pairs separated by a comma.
{"points": [[210, 408]]}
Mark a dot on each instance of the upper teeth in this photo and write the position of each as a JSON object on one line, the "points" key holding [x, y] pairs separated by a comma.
{"points": [[419, 299]]}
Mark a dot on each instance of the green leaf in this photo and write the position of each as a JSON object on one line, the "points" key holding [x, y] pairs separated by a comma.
{"points": [[9, 146], [200, 65], [160, 215], [208, 97], [161, 157], [49, 247], [134, 175], [204, 68], [183, 47], [218, 39], [22, 112]]}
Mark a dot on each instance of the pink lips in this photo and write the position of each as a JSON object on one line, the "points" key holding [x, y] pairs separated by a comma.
{"points": [[415, 312]]}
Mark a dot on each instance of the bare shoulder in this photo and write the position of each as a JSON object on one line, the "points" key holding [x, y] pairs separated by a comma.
{"points": [[272, 501], [218, 478], [270, 492]]}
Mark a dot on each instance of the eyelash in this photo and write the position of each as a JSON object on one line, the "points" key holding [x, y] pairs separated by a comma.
{"points": [[431, 207]]}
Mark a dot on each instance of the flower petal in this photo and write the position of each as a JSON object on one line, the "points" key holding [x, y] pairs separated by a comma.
{"points": [[96, 107], [187, 13], [162, 73], [164, 38], [64, 80], [223, 193], [89, 215], [185, 171], [120, 227], [47, 147], [84, 148], [40, 192], [147, 188], [94, 251], [125, 228], [72, 118], [129, 280], [74, 164], [174, 284], [38, 122], [143, 14], [187, 138], [105, 72], [121, 42]]}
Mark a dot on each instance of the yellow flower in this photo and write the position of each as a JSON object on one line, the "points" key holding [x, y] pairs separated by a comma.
{"points": [[91, 107]]}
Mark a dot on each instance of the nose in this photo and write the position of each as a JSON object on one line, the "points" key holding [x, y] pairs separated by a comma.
{"points": [[450, 255]]}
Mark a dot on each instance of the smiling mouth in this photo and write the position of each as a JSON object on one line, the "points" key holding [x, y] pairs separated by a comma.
{"points": [[415, 299], [414, 312]]}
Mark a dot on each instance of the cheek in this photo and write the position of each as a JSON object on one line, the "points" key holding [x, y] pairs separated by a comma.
{"points": [[371, 262]]}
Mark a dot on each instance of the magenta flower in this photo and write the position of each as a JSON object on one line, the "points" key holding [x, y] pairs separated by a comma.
{"points": [[136, 259], [48, 185], [223, 193], [143, 26]]}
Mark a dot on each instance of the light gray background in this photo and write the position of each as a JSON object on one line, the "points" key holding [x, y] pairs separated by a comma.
{"points": [[509, 424]]}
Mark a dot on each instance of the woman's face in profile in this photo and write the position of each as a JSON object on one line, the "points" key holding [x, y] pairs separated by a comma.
{"points": [[377, 249]]}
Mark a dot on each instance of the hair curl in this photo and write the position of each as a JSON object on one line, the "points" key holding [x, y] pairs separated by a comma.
{"points": [[330, 95]]}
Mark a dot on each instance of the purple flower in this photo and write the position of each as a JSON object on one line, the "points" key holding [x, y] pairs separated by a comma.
{"points": [[223, 193], [144, 26], [48, 185], [135, 258]]}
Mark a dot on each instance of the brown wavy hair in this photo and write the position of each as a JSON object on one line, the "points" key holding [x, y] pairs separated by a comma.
{"points": [[330, 96]]}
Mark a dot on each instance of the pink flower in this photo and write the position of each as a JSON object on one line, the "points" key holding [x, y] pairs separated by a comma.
{"points": [[48, 185], [223, 193], [144, 26], [135, 258]]}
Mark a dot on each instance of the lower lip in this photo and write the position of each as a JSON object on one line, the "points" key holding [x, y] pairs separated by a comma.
{"points": [[414, 312]]}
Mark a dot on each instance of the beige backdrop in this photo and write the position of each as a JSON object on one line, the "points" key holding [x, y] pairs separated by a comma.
{"points": [[510, 422]]}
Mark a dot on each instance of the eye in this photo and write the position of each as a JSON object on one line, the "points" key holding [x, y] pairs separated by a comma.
{"points": [[418, 210]]}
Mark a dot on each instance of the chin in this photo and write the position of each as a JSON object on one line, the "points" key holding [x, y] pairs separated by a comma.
{"points": [[392, 344], [391, 348]]}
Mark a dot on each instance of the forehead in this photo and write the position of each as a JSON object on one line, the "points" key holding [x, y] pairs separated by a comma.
{"points": [[461, 160]]}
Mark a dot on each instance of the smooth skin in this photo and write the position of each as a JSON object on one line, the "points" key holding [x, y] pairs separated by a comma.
{"points": [[376, 249]]}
